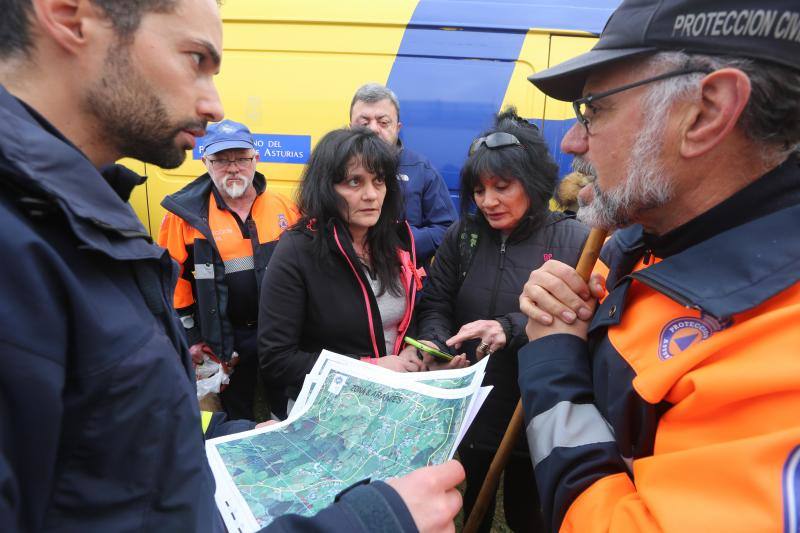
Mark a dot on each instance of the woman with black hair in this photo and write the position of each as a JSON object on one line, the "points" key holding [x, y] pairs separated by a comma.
{"points": [[471, 301], [343, 278]]}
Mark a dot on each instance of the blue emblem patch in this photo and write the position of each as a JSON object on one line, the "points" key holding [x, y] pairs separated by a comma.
{"points": [[282, 222], [681, 333], [791, 492]]}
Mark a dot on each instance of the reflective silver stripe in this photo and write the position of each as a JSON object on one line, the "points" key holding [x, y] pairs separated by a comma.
{"points": [[239, 265], [566, 425], [203, 271]]}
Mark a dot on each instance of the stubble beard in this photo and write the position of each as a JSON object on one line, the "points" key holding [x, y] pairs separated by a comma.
{"points": [[131, 116], [647, 185]]}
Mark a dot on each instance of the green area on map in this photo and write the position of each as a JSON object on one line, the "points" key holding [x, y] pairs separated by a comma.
{"points": [[354, 428]]}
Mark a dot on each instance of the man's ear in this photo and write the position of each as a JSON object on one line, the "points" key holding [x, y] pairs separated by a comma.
{"points": [[723, 97], [65, 21]]}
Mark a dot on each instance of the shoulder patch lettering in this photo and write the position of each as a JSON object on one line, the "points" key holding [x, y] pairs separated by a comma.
{"points": [[681, 333]]}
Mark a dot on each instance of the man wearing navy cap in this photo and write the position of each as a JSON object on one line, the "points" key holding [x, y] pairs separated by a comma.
{"points": [[221, 229], [671, 401]]}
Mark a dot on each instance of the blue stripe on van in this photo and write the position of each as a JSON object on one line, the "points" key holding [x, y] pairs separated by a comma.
{"points": [[520, 15], [454, 65]]}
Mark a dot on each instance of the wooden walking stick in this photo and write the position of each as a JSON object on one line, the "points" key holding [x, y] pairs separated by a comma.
{"points": [[591, 251]]}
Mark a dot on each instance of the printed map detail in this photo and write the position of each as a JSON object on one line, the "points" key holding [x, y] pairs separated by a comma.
{"points": [[353, 426]]}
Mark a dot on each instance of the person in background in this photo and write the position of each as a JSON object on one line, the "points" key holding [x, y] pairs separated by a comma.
{"points": [[671, 403], [566, 195], [471, 302], [427, 204], [100, 427], [344, 277], [221, 229]]}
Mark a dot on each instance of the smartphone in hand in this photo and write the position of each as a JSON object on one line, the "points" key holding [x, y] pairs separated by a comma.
{"points": [[427, 349]]}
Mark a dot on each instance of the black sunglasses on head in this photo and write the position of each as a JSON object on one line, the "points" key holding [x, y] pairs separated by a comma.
{"points": [[499, 139]]}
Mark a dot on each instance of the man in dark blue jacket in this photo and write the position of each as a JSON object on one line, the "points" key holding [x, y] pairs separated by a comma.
{"points": [[99, 423], [670, 402], [429, 210]]}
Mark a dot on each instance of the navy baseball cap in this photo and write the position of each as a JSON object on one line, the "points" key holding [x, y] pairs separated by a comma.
{"points": [[227, 135], [767, 30]]}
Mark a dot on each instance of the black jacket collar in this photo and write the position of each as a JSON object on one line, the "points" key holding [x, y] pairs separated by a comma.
{"points": [[527, 226], [729, 272], [774, 191], [36, 159]]}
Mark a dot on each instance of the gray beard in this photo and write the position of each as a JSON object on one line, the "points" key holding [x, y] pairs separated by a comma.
{"points": [[646, 186], [235, 191]]}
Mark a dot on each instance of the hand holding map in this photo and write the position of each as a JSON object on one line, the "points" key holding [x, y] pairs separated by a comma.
{"points": [[430, 494], [351, 421]]}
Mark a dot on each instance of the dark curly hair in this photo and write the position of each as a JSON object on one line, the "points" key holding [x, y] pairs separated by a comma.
{"points": [[320, 205], [529, 163]]}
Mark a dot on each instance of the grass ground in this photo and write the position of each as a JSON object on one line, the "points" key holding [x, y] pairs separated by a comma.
{"points": [[499, 523]]}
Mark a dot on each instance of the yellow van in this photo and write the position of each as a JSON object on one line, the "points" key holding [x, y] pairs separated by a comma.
{"points": [[290, 68]]}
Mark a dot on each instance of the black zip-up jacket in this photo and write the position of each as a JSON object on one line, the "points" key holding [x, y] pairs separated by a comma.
{"points": [[308, 305], [491, 289]]}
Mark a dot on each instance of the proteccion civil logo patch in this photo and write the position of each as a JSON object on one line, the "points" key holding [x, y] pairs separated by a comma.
{"points": [[680, 334], [282, 222]]}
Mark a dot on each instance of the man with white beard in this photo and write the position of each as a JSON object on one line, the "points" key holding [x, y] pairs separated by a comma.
{"points": [[663, 394], [222, 229]]}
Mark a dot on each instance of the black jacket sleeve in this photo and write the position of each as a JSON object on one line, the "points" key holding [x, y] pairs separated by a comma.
{"points": [[281, 315], [516, 337], [365, 508], [437, 211], [435, 310], [32, 328]]}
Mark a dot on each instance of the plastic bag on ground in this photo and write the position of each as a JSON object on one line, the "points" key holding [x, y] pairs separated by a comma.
{"points": [[210, 377]]}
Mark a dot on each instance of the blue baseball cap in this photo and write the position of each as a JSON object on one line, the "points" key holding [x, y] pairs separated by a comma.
{"points": [[764, 30], [227, 135]]}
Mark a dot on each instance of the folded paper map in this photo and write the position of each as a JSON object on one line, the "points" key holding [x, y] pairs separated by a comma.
{"points": [[351, 421]]}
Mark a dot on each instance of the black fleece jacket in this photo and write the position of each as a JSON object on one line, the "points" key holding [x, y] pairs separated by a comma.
{"points": [[491, 289], [308, 305]]}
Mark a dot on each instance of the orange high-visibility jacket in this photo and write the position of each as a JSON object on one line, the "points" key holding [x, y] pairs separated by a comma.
{"points": [[211, 247], [682, 412]]}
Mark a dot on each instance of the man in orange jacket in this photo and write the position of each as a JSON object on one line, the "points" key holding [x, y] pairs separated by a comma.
{"points": [[672, 403], [222, 229]]}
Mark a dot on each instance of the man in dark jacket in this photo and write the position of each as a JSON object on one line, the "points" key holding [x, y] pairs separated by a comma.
{"points": [[428, 207], [99, 423], [674, 406]]}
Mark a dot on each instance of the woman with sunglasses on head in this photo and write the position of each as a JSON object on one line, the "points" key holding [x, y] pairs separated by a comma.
{"points": [[343, 278], [471, 302]]}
